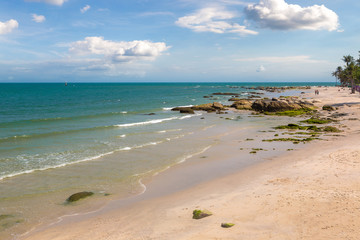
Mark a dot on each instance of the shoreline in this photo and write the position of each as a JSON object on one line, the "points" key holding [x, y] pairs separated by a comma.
{"points": [[79, 225]]}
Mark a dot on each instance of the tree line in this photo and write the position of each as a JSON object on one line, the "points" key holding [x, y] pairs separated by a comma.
{"points": [[349, 74]]}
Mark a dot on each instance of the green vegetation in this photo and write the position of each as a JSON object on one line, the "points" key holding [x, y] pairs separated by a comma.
{"points": [[312, 134], [227, 225], [291, 113], [5, 216], [249, 139], [316, 121], [349, 74], [198, 214], [253, 152], [330, 129], [294, 140], [296, 126], [290, 149]]}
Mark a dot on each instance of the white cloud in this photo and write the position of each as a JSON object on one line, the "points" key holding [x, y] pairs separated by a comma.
{"points": [[287, 59], [85, 9], [53, 2], [277, 14], [8, 27], [261, 68], [212, 19], [118, 51], [38, 18]]}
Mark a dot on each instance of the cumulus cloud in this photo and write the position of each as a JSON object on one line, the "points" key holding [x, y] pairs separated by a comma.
{"points": [[277, 14], [53, 2], [118, 51], [85, 9], [38, 18], [9, 26], [214, 20]]}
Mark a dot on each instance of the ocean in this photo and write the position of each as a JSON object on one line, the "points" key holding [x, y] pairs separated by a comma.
{"points": [[104, 137]]}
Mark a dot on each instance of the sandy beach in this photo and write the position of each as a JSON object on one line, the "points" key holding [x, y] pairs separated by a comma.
{"points": [[309, 193]]}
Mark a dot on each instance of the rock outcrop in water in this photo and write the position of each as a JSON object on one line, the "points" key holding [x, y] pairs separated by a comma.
{"points": [[208, 107], [77, 196]]}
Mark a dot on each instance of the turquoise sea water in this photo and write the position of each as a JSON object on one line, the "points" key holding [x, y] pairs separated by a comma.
{"points": [[49, 125]]}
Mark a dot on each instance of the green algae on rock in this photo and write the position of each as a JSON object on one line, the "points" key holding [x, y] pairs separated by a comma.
{"points": [[317, 121], [227, 225], [199, 214]]}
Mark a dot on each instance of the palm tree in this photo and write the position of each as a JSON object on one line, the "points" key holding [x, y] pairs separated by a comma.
{"points": [[350, 71], [337, 74]]}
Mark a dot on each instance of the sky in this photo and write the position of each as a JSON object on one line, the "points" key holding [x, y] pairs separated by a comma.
{"points": [[176, 40]]}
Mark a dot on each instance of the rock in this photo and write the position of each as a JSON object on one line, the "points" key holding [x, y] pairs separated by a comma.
{"points": [[77, 196], [187, 110], [150, 114], [217, 105], [337, 115], [276, 105], [243, 104], [199, 214], [206, 97], [227, 93], [209, 107], [328, 108], [204, 107], [227, 225], [234, 99]]}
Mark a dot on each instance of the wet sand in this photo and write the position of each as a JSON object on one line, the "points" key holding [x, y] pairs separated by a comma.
{"points": [[308, 193]]}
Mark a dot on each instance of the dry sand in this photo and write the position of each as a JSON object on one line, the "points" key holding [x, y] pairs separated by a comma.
{"points": [[310, 193]]}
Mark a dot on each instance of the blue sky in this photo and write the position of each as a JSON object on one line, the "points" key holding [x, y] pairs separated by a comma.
{"points": [[178, 40]]}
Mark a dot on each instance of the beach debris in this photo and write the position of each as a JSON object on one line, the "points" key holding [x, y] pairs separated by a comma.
{"points": [[227, 225], [199, 214], [77, 196], [328, 108]]}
